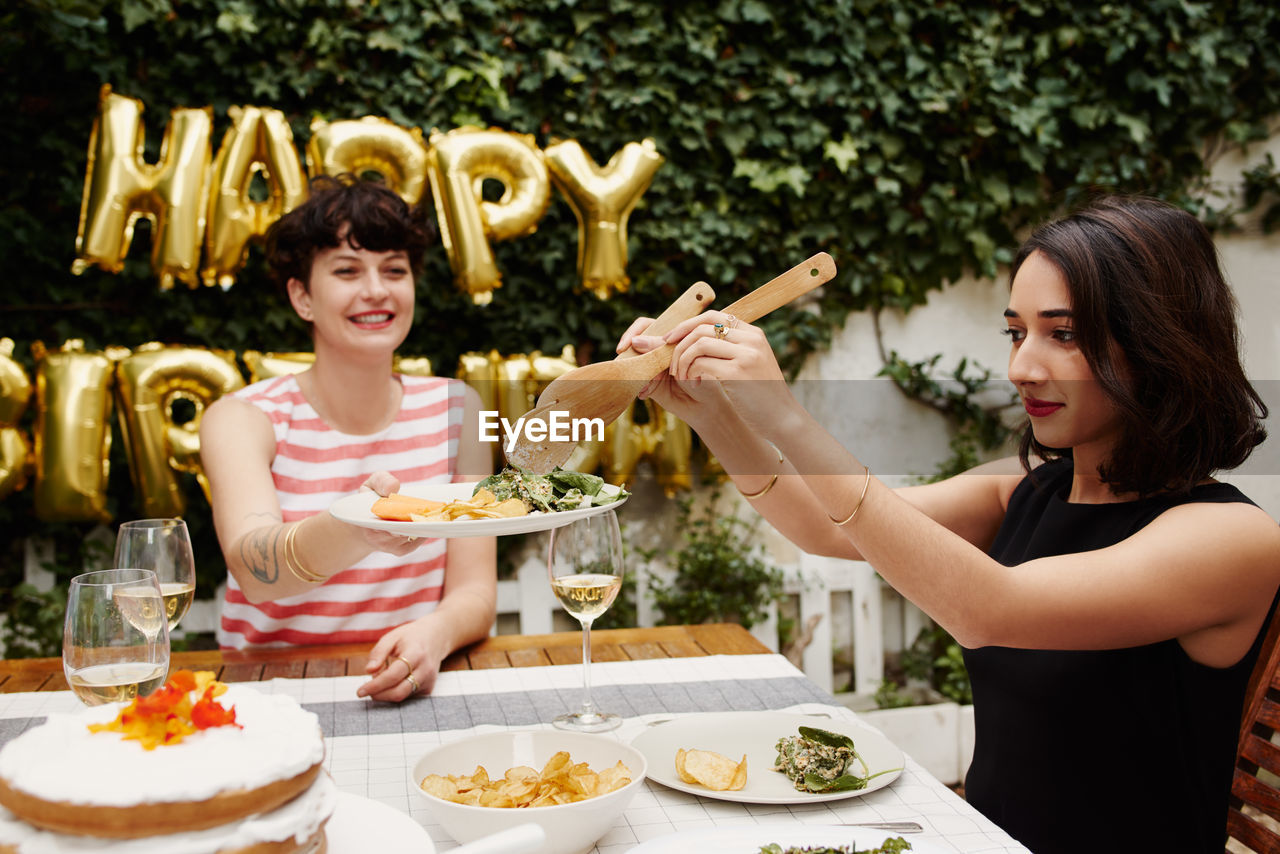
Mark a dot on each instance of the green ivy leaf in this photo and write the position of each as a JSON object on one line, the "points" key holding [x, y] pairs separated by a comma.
{"points": [[768, 178]]}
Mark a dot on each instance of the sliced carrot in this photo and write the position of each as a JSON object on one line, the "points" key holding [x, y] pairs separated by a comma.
{"points": [[397, 508]]}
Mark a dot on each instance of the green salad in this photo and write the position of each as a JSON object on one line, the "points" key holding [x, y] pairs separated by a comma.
{"points": [[820, 761], [556, 491], [892, 845]]}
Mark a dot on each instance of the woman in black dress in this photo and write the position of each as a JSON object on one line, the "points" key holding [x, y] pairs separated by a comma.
{"points": [[1109, 594]]}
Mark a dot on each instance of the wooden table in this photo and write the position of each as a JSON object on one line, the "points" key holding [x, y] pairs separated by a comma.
{"points": [[45, 674]]}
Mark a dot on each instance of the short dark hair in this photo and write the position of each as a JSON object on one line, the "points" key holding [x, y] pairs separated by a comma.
{"points": [[1156, 321], [373, 215]]}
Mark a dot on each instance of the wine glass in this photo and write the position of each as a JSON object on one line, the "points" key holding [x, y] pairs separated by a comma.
{"points": [[584, 563], [115, 641], [164, 547]]}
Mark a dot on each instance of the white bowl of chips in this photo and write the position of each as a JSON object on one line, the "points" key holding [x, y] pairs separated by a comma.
{"points": [[574, 786]]}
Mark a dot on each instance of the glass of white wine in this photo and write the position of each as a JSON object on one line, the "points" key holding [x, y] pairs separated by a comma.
{"points": [[164, 547], [115, 641], [584, 562]]}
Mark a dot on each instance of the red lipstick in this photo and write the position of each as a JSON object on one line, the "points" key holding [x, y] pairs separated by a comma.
{"points": [[1040, 408]]}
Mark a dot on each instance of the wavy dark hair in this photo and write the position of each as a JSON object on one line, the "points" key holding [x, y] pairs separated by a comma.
{"points": [[1156, 321], [376, 218]]}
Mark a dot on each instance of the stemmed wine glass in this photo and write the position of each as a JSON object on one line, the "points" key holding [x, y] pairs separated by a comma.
{"points": [[584, 563], [164, 547], [115, 642]]}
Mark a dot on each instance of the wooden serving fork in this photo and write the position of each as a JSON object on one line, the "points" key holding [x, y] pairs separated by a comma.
{"points": [[603, 390]]}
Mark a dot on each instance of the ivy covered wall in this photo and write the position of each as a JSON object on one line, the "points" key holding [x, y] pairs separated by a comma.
{"points": [[909, 139]]}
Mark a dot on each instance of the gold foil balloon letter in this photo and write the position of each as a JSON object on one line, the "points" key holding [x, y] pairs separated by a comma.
{"points": [[603, 199], [663, 438], [460, 162], [15, 391], [264, 366], [370, 144], [259, 141], [150, 383], [72, 433], [122, 187]]}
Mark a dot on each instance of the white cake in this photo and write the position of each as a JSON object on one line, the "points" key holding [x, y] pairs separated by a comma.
{"points": [[295, 828], [63, 777]]}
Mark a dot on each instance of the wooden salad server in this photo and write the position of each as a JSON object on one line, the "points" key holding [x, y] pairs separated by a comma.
{"points": [[691, 303], [604, 389]]}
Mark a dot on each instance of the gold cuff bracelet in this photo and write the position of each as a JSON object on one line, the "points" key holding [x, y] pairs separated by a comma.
{"points": [[291, 560], [768, 486], [865, 483]]}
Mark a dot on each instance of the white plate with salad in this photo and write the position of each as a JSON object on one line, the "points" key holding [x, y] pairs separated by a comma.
{"points": [[878, 762], [751, 838], [544, 494]]}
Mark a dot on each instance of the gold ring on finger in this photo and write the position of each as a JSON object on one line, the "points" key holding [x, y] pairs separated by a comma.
{"points": [[720, 331], [406, 662], [414, 682]]}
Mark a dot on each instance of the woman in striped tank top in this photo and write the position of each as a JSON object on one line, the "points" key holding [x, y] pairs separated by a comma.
{"points": [[278, 452]]}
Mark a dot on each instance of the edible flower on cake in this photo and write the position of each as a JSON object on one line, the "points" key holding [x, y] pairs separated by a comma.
{"points": [[169, 714]]}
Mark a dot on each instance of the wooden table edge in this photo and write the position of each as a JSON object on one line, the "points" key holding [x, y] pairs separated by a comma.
{"points": [[251, 665]]}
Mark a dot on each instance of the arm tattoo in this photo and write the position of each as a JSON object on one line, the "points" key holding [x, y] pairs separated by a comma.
{"points": [[258, 550]]}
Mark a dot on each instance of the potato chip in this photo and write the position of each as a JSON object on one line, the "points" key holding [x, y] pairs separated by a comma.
{"points": [[680, 772], [482, 505], [441, 787], [711, 769], [478, 779], [511, 508], [560, 781], [612, 779], [557, 764], [498, 799]]}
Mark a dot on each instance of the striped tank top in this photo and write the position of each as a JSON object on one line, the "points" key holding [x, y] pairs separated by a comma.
{"points": [[314, 465]]}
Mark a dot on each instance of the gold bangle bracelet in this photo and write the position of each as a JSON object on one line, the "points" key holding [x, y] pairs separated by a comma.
{"points": [[865, 483], [753, 495], [750, 496], [291, 560]]}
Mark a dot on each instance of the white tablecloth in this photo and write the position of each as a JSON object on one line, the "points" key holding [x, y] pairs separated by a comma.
{"points": [[371, 746]]}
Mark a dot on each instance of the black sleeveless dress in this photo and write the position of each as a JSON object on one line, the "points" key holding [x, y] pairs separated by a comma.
{"points": [[1110, 750]]}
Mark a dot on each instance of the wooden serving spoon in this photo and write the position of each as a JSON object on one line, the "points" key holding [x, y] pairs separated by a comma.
{"points": [[604, 389]]}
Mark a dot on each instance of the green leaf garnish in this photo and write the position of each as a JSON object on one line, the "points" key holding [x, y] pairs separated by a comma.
{"points": [[822, 736]]}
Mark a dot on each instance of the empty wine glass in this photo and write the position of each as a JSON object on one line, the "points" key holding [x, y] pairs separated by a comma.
{"points": [[584, 563], [164, 547], [115, 640]]}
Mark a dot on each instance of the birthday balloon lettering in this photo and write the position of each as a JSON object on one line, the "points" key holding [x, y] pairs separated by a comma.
{"points": [[371, 144], [150, 383], [72, 433], [602, 200], [194, 201], [121, 187], [162, 392], [259, 142], [460, 162], [15, 392]]}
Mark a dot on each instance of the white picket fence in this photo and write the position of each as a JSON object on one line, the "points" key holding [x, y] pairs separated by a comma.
{"points": [[871, 620]]}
